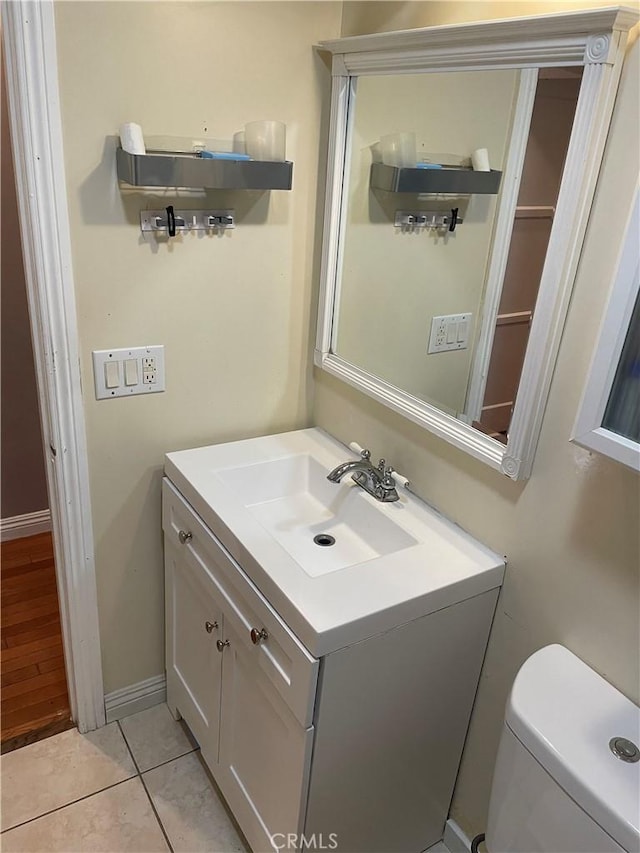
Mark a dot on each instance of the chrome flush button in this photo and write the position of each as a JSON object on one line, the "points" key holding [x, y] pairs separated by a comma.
{"points": [[624, 749]]}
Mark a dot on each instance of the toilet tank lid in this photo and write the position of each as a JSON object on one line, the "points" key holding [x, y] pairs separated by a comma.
{"points": [[565, 714]]}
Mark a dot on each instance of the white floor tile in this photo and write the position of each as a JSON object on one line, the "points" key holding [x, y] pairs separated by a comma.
{"points": [[61, 769], [191, 812], [119, 819], [155, 737]]}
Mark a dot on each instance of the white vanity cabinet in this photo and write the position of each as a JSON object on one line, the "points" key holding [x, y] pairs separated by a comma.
{"points": [[357, 749]]}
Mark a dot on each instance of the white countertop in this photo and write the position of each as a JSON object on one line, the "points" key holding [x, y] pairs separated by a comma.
{"points": [[342, 607]]}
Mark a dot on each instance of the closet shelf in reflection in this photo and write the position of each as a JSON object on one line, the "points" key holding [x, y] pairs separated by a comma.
{"points": [[451, 181]]}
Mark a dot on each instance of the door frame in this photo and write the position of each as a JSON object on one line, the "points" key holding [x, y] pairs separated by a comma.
{"points": [[36, 131], [501, 244]]}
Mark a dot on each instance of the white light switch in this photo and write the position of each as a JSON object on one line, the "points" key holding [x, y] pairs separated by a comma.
{"points": [[111, 374], [131, 371], [449, 332], [124, 372]]}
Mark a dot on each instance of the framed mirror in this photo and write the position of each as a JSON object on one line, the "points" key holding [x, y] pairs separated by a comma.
{"points": [[462, 164]]}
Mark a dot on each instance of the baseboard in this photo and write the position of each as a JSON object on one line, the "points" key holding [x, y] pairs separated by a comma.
{"points": [[136, 697], [29, 524], [456, 841]]}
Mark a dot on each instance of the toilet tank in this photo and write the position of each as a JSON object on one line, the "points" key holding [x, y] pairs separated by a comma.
{"points": [[557, 786]]}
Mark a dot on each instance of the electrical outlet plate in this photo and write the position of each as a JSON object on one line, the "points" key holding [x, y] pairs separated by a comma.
{"points": [[449, 332], [109, 373]]}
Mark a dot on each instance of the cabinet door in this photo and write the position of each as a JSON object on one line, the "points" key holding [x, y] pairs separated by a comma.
{"points": [[265, 753], [194, 664]]}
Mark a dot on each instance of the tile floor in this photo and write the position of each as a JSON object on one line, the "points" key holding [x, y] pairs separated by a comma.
{"points": [[136, 785], [133, 786]]}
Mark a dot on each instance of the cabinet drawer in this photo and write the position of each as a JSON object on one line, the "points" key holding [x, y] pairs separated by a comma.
{"points": [[280, 655]]}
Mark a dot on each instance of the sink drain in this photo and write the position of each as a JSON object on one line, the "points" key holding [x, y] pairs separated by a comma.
{"points": [[324, 539]]}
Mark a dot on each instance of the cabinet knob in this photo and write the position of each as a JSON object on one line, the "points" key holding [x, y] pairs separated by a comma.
{"points": [[185, 536], [209, 626], [257, 636], [220, 644]]}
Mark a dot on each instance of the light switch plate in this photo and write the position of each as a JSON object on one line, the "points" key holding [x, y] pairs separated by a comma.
{"points": [[449, 332], [149, 381]]}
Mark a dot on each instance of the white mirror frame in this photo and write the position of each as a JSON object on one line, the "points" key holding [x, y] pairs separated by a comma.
{"points": [[594, 40], [588, 430]]}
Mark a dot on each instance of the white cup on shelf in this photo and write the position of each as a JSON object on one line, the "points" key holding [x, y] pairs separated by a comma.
{"points": [[239, 143], [480, 160], [131, 138], [266, 140], [399, 149]]}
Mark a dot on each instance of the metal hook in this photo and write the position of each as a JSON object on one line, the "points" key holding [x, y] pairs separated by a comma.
{"points": [[171, 221], [454, 219]]}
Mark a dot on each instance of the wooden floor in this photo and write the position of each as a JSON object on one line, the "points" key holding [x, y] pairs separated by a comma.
{"points": [[34, 699]]}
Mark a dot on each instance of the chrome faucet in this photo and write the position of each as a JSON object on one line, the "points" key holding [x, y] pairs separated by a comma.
{"points": [[377, 481]]}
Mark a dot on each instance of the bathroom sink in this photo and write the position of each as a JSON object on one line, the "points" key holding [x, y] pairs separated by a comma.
{"points": [[324, 526], [338, 565]]}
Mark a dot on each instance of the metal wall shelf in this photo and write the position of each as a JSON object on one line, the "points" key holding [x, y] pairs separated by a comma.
{"points": [[188, 170], [452, 181]]}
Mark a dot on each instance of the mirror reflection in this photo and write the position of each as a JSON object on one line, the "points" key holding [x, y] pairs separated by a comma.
{"points": [[410, 306]]}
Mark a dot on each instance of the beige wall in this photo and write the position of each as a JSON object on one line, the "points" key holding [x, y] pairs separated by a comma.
{"points": [[22, 478], [571, 532], [385, 269], [233, 313], [361, 16]]}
